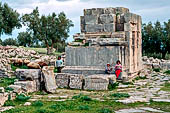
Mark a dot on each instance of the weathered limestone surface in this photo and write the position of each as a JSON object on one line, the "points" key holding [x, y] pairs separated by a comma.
{"points": [[49, 78], [3, 98], [17, 88], [62, 80], [29, 74], [76, 81], [26, 86], [97, 82], [107, 35]]}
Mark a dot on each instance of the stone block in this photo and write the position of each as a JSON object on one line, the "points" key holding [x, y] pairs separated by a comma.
{"points": [[97, 11], [119, 27], [49, 78], [17, 88], [110, 11], [26, 86], [91, 19], [94, 28], [107, 18], [109, 27], [29, 74], [121, 10], [87, 12], [76, 81], [156, 65], [3, 98], [96, 82], [62, 80]]}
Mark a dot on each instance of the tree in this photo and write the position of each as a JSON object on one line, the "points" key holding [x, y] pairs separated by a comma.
{"points": [[156, 38], [9, 19], [25, 39], [10, 41], [49, 29]]}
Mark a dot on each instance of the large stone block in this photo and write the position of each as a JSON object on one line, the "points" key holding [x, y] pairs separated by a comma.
{"points": [[29, 74], [27, 86], [96, 82], [17, 88], [76, 81], [107, 18], [62, 80], [87, 11], [97, 11], [91, 19], [49, 78], [94, 28], [121, 10], [109, 27], [110, 11]]}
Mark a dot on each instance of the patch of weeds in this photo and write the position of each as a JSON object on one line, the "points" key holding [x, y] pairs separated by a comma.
{"points": [[14, 67], [167, 72], [140, 78], [85, 98], [41, 93], [113, 86], [77, 96], [5, 82], [104, 110], [83, 107], [8, 89], [128, 83], [22, 98], [37, 103], [58, 107], [43, 110], [120, 95], [166, 87], [9, 103], [138, 88], [156, 69]]}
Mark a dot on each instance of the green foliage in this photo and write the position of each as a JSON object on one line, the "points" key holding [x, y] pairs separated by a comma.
{"points": [[120, 95], [81, 97], [22, 98], [156, 69], [8, 89], [140, 78], [14, 67], [113, 86], [9, 103], [167, 72], [37, 103], [166, 87], [5, 82], [9, 19], [25, 39], [49, 29], [156, 38], [83, 107], [105, 110], [10, 41]]}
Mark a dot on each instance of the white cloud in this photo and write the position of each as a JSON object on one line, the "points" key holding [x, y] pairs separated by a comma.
{"points": [[150, 10]]}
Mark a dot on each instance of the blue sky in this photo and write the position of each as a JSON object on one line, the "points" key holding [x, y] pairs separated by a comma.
{"points": [[150, 10]]}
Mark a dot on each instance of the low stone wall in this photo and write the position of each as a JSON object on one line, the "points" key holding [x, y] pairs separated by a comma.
{"points": [[78, 81], [155, 63]]}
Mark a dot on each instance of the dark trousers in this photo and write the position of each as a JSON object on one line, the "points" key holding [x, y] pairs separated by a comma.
{"points": [[59, 69]]}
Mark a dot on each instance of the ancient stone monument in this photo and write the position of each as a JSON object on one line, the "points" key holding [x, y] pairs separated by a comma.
{"points": [[107, 35]]}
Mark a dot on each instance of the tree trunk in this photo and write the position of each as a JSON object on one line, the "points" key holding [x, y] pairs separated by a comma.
{"points": [[163, 54], [50, 50]]}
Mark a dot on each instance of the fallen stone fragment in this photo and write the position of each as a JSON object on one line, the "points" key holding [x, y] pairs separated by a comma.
{"points": [[49, 78]]}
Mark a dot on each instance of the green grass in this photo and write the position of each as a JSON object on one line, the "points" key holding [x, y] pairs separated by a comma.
{"points": [[5, 82], [166, 87], [120, 95], [14, 67], [167, 72], [156, 69], [113, 86], [77, 106], [140, 78]]}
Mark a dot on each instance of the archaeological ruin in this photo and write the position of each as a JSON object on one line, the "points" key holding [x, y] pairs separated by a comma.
{"points": [[107, 35]]}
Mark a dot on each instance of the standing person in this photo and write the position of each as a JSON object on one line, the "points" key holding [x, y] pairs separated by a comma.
{"points": [[59, 64], [108, 69], [118, 69]]}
